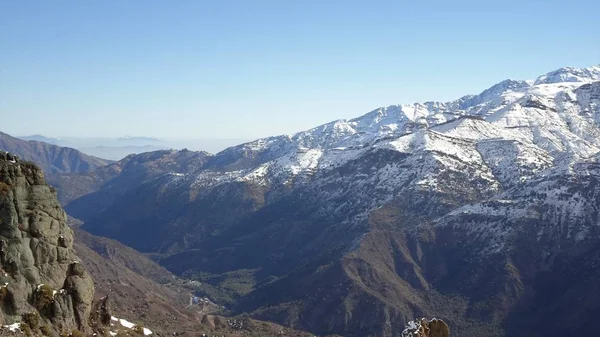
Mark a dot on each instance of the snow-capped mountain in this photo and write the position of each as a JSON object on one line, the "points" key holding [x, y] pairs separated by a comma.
{"points": [[556, 117], [478, 145], [436, 208]]}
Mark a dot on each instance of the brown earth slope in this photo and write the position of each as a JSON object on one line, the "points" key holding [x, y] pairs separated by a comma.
{"points": [[145, 293]]}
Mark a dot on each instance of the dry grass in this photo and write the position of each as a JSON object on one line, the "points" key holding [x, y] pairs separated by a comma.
{"points": [[43, 298]]}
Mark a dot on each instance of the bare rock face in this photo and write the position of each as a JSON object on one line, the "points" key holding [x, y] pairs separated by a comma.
{"points": [[102, 311], [424, 328], [39, 271]]}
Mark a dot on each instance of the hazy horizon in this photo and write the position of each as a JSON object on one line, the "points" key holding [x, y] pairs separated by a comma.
{"points": [[239, 70], [119, 147]]}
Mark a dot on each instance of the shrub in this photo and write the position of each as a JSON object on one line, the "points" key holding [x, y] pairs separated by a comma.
{"points": [[46, 331], [25, 329], [4, 187], [32, 319], [76, 333], [139, 329], [123, 333], [103, 332], [3, 293], [43, 298]]}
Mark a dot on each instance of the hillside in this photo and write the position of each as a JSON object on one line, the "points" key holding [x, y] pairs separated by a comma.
{"points": [[113, 180], [140, 290]]}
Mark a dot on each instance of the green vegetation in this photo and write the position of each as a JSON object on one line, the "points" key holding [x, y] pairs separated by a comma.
{"points": [[226, 288]]}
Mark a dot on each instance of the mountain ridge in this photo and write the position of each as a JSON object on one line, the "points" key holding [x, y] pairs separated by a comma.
{"points": [[51, 158]]}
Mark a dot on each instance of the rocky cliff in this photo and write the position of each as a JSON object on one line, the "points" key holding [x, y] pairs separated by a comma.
{"points": [[43, 288]]}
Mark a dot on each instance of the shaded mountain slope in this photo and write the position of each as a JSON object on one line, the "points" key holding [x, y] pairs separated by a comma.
{"points": [[102, 185], [51, 158]]}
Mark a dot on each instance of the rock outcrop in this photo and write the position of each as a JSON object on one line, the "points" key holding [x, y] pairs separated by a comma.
{"points": [[425, 328], [40, 274]]}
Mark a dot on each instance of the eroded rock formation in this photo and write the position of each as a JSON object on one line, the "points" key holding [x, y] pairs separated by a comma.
{"points": [[40, 274]]}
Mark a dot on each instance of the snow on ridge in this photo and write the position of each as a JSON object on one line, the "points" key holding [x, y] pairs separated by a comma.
{"points": [[429, 140], [570, 74], [391, 120], [509, 105], [548, 200], [474, 129], [506, 135], [125, 323]]}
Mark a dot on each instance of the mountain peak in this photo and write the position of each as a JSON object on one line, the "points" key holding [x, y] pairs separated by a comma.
{"points": [[570, 74]]}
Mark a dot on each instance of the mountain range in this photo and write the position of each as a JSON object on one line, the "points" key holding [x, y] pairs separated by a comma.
{"points": [[482, 211], [121, 147], [55, 283]]}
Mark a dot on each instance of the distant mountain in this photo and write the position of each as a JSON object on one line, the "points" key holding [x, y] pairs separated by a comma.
{"points": [[51, 158], [482, 211], [139, 139], [40, 138], [113, 180], [119, 152], [119, 148]]}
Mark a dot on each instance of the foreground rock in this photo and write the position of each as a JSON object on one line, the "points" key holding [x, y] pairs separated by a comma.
{"points": [[43, 288]]}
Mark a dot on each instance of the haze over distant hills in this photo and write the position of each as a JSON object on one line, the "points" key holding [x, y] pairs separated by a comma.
{"points": [[118, 148], [51, 158]]}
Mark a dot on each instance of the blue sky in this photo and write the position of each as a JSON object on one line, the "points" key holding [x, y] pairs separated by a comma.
{"points": [[248, 69]]}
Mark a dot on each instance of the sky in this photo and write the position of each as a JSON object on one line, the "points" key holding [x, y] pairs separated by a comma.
{"points": [[249, 69]]}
